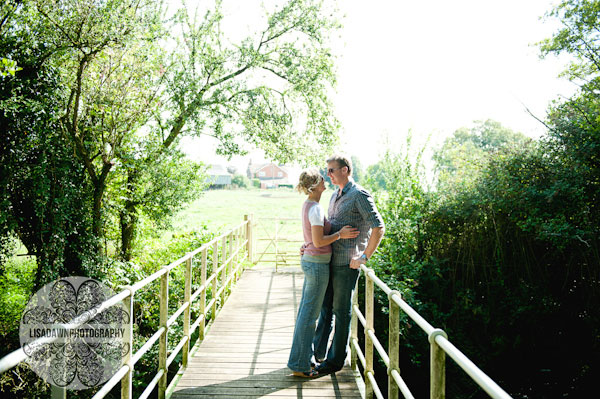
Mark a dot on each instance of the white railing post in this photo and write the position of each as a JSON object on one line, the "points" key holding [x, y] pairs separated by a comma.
{"points": [[238, 239], [354, 329], [438, 366], [250, 219], [369, 315], [276, 238], [393, 345], [127, 380], [187, 294], [203, 296], [162, 346], [215, 266], [224, 271], [231, 265]]}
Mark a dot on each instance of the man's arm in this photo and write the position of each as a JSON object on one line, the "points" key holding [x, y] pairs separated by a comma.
{"points": [[376, 236]]}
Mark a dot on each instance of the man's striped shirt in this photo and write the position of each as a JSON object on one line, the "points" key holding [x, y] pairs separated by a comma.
{"points": [[354, 207]]}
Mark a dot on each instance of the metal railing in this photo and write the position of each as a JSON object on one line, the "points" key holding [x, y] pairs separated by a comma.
{"points": [[438, 340], [227, 270]]}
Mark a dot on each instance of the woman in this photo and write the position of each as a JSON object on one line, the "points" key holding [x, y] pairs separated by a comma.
{"points": [[315, 265]]}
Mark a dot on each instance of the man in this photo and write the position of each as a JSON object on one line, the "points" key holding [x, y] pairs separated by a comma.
{"points": [[350, 205]]}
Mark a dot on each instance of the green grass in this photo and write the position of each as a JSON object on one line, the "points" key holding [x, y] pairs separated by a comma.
{"points": [[221, 210]]}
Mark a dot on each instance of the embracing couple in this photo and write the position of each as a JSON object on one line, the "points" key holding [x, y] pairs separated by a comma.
{"points": [[333, 250]]}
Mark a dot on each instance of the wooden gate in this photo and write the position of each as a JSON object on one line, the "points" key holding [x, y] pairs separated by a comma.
{"points": [[278, 241]]}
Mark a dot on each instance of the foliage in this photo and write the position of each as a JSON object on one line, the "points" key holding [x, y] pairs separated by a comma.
{"points": [[269, 90], [240, 181], [123, 96], [8, 67], [357, 170], [42, 187], [506, 264], [463, 156]]}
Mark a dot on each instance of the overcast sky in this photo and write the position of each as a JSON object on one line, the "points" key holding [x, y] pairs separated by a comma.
{"points": [[432, 66]]}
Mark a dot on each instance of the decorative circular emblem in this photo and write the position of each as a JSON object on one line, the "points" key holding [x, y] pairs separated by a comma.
{"points": [[69, 341]]}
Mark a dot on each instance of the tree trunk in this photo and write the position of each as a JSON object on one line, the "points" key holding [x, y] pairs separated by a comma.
{"points": [[128, 222], [99, 188], [129, 216]]}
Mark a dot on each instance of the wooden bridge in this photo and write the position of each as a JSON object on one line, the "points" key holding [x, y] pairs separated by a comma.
{"points": [[245, 352], [245, 334]]}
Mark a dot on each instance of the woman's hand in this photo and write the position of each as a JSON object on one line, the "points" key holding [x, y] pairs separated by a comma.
{"points": [[348, 232]]}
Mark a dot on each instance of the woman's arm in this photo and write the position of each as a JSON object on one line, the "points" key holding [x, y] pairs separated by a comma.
{"points": [[319, 240]]}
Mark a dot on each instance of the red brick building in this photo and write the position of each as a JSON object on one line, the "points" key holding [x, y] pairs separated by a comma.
{"points": [[269, 174]]}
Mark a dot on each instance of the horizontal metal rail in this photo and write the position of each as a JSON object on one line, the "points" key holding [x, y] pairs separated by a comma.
{"points": [[241, 236]]}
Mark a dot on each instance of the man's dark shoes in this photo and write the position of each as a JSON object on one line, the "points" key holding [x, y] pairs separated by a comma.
{"points": [[325, 368]]}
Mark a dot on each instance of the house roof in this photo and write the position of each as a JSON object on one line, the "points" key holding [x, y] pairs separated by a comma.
{"points": [[256, 167], [218, 170]]}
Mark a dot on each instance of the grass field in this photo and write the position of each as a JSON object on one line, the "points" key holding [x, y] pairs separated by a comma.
{"points": [[221, 210]]}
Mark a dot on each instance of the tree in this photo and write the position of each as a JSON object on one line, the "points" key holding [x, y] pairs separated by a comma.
{"points": [[463, 156], [125, 97], [42, 186], [218, 89], [270, 90], [357, 171], [574, 123]]}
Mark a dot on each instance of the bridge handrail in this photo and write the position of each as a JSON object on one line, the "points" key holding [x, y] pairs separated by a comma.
{"points": [[242, 236], [438, 339]]}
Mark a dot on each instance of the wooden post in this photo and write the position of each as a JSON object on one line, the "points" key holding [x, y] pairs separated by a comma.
{"points": [[238, 236], [215, 262], [225, 267], [275, 242], [231, 266], [238, 247], [369, 315], [162, 346], [250, 219], [393, 345], [438, 366], [354, 329], [202, 296], [127, 380], [187, 294]]}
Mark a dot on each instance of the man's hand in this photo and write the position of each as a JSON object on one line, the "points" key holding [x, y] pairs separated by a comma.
{"points": [[357, 261]]}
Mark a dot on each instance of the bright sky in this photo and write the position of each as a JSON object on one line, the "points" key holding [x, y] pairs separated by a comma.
{"points": [[432, 66]]}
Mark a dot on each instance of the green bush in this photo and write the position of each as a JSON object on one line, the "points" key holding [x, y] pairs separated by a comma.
{"points": [[240, 181], [504, 264]]}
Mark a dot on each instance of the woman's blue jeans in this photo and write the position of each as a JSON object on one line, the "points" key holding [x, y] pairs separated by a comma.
{"points": [[316, 279]]}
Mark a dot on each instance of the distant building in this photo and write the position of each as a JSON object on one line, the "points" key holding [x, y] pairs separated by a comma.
{"points": [[269, 174], [218, 177]]}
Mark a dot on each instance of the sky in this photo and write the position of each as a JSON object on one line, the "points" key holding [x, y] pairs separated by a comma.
{"points": [[429, 66]]}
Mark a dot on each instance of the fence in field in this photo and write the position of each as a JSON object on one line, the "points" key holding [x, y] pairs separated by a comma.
{"points": [[229, 251]]}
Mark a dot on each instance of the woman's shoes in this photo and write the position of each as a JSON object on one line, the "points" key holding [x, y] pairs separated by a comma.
{"points": [[306, 374]]}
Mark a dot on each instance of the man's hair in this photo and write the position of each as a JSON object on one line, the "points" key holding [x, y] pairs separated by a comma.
{"points": [[342, 160]]}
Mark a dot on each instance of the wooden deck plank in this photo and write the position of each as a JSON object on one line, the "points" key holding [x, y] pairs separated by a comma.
{"points": [[246, 350]]}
